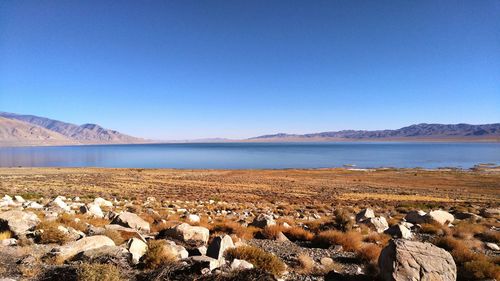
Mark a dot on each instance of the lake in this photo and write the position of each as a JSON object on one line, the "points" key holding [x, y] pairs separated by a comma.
{"points": [[256, 155]]}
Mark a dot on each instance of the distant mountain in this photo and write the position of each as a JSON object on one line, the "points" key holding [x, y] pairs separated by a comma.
{"points": [[419, 131], [29, 128]]}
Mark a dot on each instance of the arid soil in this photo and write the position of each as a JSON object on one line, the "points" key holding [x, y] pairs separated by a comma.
{"points": [[260, 186]]}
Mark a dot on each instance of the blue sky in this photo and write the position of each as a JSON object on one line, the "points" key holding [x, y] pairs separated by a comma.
{"points": [[195, 69]]}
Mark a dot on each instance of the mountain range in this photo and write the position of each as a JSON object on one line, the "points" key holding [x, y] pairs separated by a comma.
{"points": [[17, 129], [22, 130], [422, 131]]}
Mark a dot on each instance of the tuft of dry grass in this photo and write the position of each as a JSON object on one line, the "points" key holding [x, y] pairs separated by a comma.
{"points": [[369, 253], [50, 234], [259, 258], [115, 236], [377, 238], [5, 235], [467, 230], [434, 228], [490, 236], [272, 232], [343, 219], [98, 272], [481, 269], [306, 263], [350, 241], [298, 234], [158, 255], [232, 227]]}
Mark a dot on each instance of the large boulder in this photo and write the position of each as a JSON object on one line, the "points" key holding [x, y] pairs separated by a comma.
{"points": [[403, 260], [59, 205], [441, 216], [379, 224], [417, 217], [365, 214], [187, 233], [87, 243], [106, 255], [18, 222], [103, 202], [137, 248], [93, 210], [218, 246], [131, 220], [399, 231], [263, 220], [125, 232]]}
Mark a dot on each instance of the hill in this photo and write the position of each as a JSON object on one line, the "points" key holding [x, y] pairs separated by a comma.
{"points": [[35, 130], [414, 132]]}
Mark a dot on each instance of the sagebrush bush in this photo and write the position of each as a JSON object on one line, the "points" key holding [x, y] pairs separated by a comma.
{"points": [[258, 257]]}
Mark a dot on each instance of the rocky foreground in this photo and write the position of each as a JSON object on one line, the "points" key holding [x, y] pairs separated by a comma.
{"points": [[158, 239]]}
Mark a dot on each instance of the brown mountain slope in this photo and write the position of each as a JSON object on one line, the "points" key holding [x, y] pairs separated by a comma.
{"points": [[15, 132]]}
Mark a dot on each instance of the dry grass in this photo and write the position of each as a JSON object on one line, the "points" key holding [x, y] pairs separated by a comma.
{"points": [[377, 238], [5, 235], [466, 230], [350, 241], [50, 234], [98, 272], [369, 253], [158, 255], [434, 228], [305, 263], [259, 258], [296, 233], [490, 236], [481, 269], [232, 227], [115, 236], [272, 232]]}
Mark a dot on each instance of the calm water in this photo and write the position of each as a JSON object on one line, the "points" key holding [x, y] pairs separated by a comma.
{"points": [[256, 155]]}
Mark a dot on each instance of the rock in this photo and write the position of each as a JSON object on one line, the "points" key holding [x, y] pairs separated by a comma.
{"points": [[193, 218], [137, 249], [237, 264], [87, 243], [206, 262], [177, 250], [218, 246], [102, 202], [280, 237], [326, 261], [106, 255], [412, 260], [466, 216], [335, 276], [187, 233], [8, 242], [19, 199], [379, 224], [18, 222], [399, 231], [125, 232], [417, 217], [365, 214], [490, 212], [131, 220], [59, 204], [93, 210], [199, 251], [263, 220], [441, 217], [33, 205], [492, 246]]}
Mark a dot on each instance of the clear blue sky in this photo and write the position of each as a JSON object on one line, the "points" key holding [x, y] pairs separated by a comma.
{"points": [[194, 69]]}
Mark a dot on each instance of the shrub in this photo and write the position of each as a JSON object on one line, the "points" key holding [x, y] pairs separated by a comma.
{"points": [[157, 254], [490, 236], [98, 272], [377, 238], [432, 228], [306, 263], [258, 257], [69, 220], [343, 219], [49, 233], [467, 230], [350, 241], [298, 234]]}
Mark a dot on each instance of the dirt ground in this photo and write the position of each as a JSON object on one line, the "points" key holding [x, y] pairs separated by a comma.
{"points": [[304, 186]]}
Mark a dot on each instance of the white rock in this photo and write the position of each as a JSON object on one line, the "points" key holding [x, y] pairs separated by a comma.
{"points": [[131, 220], [33, 205], [379, 224], [101, 202], [365, 214], [137, 248], [59, 203], [87, 243], [492, 246], [240, 265], [441, 216], [399, 231], [19, 222], [188, 233], [193, 218], [19, 199], [8, 242], [218, 246]]}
